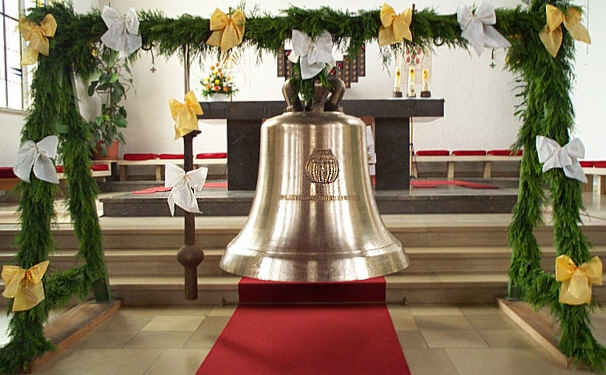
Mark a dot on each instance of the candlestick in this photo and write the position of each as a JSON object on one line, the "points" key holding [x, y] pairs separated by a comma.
{"points": [[411, 82], [397, 85], [425, 93], [398, 80]]}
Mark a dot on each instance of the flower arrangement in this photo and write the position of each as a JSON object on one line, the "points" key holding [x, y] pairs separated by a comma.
{"points": [[217, 82]]}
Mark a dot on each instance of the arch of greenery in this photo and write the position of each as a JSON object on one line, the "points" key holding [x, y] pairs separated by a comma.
{"points": [[546, 109]]}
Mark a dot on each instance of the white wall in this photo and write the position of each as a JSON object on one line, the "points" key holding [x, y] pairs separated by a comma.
{"points": [[11, 124], [588, 98]]}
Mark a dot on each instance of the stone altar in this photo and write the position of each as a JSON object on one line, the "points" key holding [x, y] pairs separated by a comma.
{"points": [[392, 136]]}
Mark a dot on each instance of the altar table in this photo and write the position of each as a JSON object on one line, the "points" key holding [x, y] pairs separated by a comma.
{"points": [[392, 135]]}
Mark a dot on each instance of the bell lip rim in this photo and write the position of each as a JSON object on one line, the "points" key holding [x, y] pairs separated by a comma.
{"points": [[399, 261]]}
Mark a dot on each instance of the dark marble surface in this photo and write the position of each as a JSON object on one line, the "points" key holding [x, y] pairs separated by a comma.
{"points": [[243, 142], [244, 120], [386, 108], [238, 203], [393, 156]]}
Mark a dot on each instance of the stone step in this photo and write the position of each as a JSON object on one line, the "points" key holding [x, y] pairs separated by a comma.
{"points": [[423, 260], [414, 289], [214, 233]]}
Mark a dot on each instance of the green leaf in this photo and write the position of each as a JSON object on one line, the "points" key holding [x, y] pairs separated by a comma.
{"points": [[120, 122], [114, 77], [92, 87], [62, 128]]}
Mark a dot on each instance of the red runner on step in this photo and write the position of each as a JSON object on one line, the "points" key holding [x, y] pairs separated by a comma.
{"points": [[426, 184], [253, 291]]}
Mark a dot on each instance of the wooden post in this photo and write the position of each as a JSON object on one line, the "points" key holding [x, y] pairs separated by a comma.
{"points": [[190, 255]]}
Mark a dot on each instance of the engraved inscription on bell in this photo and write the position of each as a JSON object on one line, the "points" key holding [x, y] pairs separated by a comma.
{"points": [[322, 167]]}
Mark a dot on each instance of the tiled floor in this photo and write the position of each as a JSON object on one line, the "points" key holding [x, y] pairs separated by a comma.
{"points": [[449, 340]]}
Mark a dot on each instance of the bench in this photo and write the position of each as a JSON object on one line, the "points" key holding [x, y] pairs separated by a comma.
{"points": [[595, 170], [8, 180], [451, 158], [159, 162]]}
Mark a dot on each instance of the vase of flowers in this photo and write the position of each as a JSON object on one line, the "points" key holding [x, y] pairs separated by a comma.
{"points": [[218, 85]]}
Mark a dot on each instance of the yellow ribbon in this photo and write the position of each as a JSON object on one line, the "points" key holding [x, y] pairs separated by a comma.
{"points": [[37, 36], [577, 281], [185, 114], [25, 286], [394, 27], [228, 30], [551, 35]]}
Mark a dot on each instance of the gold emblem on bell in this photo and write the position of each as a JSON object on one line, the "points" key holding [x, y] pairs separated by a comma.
{"points": [[322, 167], [314, 216]]}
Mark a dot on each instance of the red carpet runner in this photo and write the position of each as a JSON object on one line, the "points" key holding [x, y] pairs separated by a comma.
{"points": [[308, 339]]}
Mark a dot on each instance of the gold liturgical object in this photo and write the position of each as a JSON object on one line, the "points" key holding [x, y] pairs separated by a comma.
{"points": [[314, 216]]}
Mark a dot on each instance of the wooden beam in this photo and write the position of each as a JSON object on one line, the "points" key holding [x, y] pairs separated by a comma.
{"points": [[72, 326], [541, 327]]}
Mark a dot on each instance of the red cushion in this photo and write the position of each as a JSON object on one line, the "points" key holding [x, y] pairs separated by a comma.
{"points": [[469, 152], [600, 164], [504, 153], [138, 157], [212, 155], [59, 169], [587, 164], [171, 156], [7, 172], [99, 167], [433, 153]]}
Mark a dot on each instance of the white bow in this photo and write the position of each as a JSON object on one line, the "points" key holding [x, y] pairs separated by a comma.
{"points": [[122, 31], [183, 187], [315, 54], [38, 156], [567, 157], [477, 27]]}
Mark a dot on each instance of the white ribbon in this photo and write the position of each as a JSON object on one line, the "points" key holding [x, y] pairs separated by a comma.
{"points": [[39, 158], [184, 185], [477, 28], [122, 31], [315, 54], [567, 157]]}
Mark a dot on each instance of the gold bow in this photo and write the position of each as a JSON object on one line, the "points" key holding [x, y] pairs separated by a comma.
{"points": [[551, 35], [25, 286], [394, 27], [185, 114], [228, 30], [37, 36], [577, 281]]}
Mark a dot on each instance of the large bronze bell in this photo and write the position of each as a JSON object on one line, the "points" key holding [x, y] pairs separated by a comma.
{"points": [[314, 216]]}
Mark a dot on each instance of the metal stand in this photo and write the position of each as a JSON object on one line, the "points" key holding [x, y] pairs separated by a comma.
{"points": [[411, 150], [190, 255]]}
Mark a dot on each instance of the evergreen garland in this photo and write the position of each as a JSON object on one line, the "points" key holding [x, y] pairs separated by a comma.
{"points": [[546, 109], [55, 107]]}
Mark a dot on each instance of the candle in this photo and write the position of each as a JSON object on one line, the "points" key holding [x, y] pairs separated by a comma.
{"points": [[411, 82], [398, 80], [425, 79]]}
